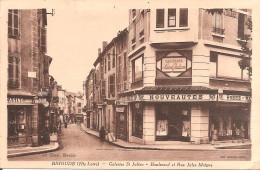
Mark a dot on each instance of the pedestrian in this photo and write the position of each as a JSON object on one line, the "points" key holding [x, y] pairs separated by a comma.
{"points": [[65, 124], [102, 133], [242, 132], [233, 132], [214, 136]]}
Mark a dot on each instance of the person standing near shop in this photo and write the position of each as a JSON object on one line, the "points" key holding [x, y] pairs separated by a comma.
{"points": [[242, 132], [233, 132]]}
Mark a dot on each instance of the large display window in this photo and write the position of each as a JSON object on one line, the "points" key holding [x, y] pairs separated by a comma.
{"points": [[172, 121], [137, 119]]}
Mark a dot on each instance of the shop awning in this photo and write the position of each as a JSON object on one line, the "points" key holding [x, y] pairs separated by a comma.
{"points": [[172, 90]]}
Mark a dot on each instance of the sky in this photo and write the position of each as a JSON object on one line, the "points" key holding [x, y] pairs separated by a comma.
{"points": [[75, 33]]}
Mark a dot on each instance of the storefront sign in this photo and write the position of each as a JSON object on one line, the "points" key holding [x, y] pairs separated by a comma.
{"points": [[44, 102], [170, 97], [234, 98], [120, 109], [19, 101], [174, 64]]}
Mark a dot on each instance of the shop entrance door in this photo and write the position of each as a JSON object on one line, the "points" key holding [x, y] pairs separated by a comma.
{"points": [[174, 125], [121, 128]]}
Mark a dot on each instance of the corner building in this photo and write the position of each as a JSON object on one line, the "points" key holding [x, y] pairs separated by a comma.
{"points": [[184, 77]]}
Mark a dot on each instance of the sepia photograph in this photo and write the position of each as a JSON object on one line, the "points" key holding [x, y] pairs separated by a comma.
{"points": [[124, 87]]}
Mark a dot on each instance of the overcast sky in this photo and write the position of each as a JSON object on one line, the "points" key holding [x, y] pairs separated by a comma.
{"points": [[75, 33]]}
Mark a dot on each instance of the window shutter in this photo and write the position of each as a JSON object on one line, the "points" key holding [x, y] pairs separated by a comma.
{"points": [[159, 18], [183, 17]]}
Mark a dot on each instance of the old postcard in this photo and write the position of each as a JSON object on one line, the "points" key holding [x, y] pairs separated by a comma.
{"points": [[129, 84]]}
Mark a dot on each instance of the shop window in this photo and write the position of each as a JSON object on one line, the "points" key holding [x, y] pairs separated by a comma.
{"points": [[159, 18], [13, 72], [138, 69], [171, 17], [241, 26], [137, 119], [17, 124], [184, 17], [13, 23]]}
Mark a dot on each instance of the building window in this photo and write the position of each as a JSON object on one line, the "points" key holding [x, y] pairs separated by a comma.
{"points": [[105, 61], [113, 59], [137, 69], [13, 72], [119, 64], [13, 23], [79, 110], [217, 24], [183, 17], [172, 17], [111, 86], [125, 58], [159, 18], [213, 64], [137, 119], [103, 89], [241, 25], [108, 62], [79, 104], [134, 13], [232, 71]]}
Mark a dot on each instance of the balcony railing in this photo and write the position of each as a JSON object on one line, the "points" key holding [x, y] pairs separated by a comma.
{"points": [[219, 31]]}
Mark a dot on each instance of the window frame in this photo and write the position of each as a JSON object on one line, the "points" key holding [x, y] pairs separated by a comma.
{"points": [[172, 19], [133, 69], [160, 25], [11, 24]]}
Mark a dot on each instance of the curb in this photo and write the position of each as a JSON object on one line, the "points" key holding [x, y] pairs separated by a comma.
{"points": [[147, 148], [56, 147]]}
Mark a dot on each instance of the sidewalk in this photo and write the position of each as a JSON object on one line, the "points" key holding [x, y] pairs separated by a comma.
{"points": [[175, 145], [21, 151]]}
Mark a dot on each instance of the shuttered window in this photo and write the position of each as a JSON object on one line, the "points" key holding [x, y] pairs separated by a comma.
{"points": [[13, 23], [183, 17], [13, 72], [159, 18]]}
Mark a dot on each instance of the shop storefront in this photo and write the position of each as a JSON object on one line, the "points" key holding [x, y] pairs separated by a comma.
{"points": [[44, 121], [173, 121], [186, 116], [230, 110], [20, 124]]}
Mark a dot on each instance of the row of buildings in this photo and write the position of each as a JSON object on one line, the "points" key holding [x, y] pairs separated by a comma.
{"points": [[172, 75], [36, 104]]}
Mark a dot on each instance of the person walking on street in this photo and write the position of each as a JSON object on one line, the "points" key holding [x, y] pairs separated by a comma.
{"points": [[233, 132], [242, 132], [102, 133]]}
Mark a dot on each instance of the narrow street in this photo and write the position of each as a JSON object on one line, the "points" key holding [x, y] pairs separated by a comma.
{"points": [[76, 145]]}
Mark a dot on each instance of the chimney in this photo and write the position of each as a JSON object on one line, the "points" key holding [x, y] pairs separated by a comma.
{"points": [[99, 51], [104, 44]]}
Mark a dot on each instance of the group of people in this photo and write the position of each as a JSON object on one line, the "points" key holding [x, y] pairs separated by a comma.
{"points": [[235, 132]]}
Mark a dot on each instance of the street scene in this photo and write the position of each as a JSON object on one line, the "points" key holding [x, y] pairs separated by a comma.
{"points": [[75, 144], [169, 84]]}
